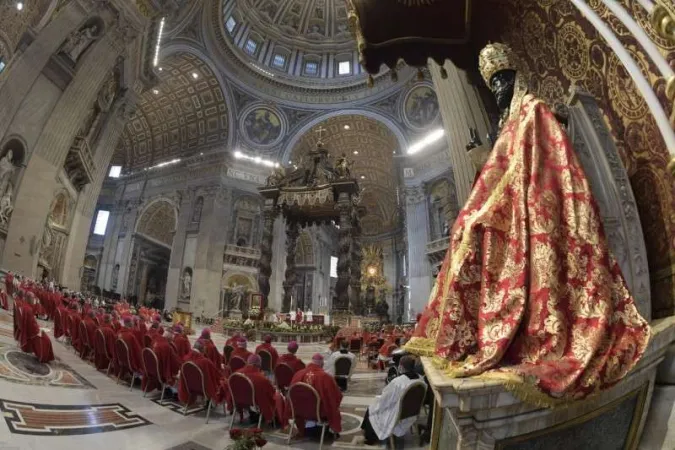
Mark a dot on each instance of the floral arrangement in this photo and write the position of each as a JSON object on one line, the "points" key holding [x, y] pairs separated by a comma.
{"points": [[246, 439]]}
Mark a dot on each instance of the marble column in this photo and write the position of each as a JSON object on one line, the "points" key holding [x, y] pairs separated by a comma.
{"points": [[270, 213], [461, 108], [356, 257], [344, 205], [278, 265], [33, 198], [290, 294], [419, 270]]}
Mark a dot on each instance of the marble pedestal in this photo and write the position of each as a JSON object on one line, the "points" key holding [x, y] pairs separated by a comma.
{"points": [[478, 414]]}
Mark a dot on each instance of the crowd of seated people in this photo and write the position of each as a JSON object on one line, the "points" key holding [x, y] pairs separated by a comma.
{"points": [[139, 347]]}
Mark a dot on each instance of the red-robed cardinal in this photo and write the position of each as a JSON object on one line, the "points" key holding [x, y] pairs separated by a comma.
{"points": [[129, 337], [75, 339], [232, 341], [267, 346], [289, 358], [215, 383], [33, 340], [240, 350], [91, 326], [181, 342], [264, 391], [328, 390], [169, 363], [101, 353], [3, 300], [210, 350]]}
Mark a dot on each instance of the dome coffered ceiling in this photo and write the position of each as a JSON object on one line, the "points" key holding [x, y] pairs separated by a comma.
{"points": [[371, 145], [184, 113]]}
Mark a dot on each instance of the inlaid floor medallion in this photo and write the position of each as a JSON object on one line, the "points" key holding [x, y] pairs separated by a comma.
{"points": [[68, 420]]}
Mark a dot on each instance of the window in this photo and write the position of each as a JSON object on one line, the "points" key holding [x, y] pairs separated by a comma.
{"points": [[344, 68], [115, 171], [251, 47], [101, 222], [279, 61], [333, 266], [311, 68], [2, 64], [230, 24]]}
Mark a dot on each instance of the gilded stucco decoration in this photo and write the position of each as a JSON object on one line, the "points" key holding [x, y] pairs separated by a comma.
{"points": [[262, 125], [420, 107], [561, 48], [185, 113], [158, 221], [373, 166]]}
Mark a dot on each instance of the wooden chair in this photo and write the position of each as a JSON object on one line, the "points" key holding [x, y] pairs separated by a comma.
{"points": [[123, 356], [305, 403], [151, 365], [242, 393], [84, 339], [236, 363], [283, 374], [355, 347], [410, 405], [193, 378], [343, 370], [227, 351], [100, 337], [265, 361]]}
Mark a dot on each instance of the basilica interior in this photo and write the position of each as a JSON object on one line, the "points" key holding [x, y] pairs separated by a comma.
{"points": [[238, 164]]}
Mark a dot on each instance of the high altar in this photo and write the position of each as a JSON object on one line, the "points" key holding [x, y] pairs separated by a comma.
{"points": [[317, 191], [473, 412]]}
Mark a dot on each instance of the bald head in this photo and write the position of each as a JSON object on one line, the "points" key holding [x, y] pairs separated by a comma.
{"points": [[407, 364], [199, 346]]}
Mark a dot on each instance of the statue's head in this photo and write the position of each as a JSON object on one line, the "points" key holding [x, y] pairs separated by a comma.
{"points": [[498, 66], [10, 154]]}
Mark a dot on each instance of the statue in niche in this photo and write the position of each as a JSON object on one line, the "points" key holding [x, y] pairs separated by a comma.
{"points": [[239, 292], [6, 207], [47, 242], [7, 168], [78, 42], [115, 276], [187, 283], [197, 212]]}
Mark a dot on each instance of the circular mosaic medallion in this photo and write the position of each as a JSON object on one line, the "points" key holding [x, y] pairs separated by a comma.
{"points": [[420, 107], [262, 126]]}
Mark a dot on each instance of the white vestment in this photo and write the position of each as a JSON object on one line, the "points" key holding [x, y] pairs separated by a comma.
{"points": [[329, 365], [308, 316], [291, 315], [384, 411]]}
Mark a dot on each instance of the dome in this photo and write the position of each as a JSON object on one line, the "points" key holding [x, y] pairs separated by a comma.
{"points": [[303, 41]]}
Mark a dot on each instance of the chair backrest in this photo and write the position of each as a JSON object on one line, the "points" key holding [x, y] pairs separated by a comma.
{"points": [[242, 390], [265, 360], [305, 402], [151, 364], [147, 341], [355, 345], [122, 351], [283, 374], [101, 337], [237, 363], [193, 378], [412, 400], [343, 366], [84, 336], [227, 351]]}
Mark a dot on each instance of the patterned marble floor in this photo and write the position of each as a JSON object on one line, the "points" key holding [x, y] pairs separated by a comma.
{"points": [[91, 411]]}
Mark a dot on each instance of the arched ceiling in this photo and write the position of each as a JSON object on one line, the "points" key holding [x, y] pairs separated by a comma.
{"points": [[373, 166], [158, 222], [184, 113]]}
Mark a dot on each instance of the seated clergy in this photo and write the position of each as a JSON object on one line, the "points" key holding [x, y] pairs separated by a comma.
{"points": [[380, 420], [91, 326], [267, 346], [290, 358], [240, 350], [328, 391], [210, 350], [264, 390], [169, 363], [101, 354], [32, 339], [128, 335], [232, 341], [342, 353], [215, 382], [181, 341]]}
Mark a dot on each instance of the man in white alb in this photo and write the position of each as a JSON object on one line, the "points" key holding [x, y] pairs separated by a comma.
{"points": [[291, 315], [308, 316]]}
